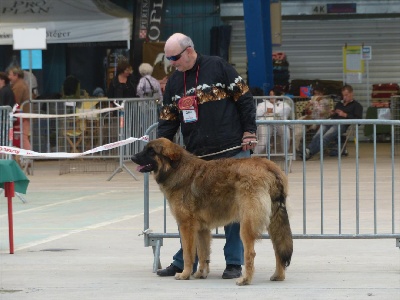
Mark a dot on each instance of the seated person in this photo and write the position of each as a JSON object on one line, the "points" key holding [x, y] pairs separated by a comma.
{"points": [[316, 109], [346, 109], [277, 109]]}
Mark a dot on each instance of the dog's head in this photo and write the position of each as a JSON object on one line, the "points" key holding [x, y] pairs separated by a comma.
{"points": [[158, 155]]}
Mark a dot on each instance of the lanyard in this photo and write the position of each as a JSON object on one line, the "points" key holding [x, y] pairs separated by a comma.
{"points": [[184, 79]]}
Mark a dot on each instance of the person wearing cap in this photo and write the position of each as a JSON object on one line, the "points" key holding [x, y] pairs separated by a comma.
{"points": [[98, 92]]}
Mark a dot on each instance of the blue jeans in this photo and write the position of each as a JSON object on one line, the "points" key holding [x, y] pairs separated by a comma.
{"points": [[330, 133], [233, 249]]}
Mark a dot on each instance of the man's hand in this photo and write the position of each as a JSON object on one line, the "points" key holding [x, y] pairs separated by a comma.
{"points": [[249, 140], [341, 113]]}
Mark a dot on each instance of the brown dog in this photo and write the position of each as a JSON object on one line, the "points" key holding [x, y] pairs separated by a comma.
{"points": [[203, 195]]}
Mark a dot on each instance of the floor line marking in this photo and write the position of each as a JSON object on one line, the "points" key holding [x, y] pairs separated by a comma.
{"points": [[57, 203], [90, 227]]}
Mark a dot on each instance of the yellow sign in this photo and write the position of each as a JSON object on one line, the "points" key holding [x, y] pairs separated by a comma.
{"points": [[353, 64], [352, 59]]}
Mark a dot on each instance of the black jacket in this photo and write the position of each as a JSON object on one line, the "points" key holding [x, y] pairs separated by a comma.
{"points": [[7, 96], [122, 90], [226, 108], [354, 110]]}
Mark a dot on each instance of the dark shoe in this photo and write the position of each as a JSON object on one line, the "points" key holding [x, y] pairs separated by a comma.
{"points": [[232, 271], [169, 271], [335, 152]]}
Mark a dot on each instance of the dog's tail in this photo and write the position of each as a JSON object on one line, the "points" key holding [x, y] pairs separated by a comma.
{"points": [[280, 232]]}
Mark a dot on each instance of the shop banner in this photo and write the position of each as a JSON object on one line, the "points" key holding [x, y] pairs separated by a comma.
{"points": [[148, 24]]}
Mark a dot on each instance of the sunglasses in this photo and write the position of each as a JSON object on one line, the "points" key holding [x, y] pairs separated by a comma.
{"points": [[178, 56]]}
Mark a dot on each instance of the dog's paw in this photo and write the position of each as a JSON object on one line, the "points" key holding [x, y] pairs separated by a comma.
{"points": [[182, 276], [277, 277], [243, 281], [200, 274]]}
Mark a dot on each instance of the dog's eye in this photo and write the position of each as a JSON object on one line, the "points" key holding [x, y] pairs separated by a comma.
{"points": [[151, 151]]}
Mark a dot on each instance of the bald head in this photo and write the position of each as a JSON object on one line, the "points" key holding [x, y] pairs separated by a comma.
{"points": [[179, 49], [178, 40]]}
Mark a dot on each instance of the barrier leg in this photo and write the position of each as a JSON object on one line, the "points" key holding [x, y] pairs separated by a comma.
{"points": [[119, 170], [121, 155], [156, 252], [22, 198]]}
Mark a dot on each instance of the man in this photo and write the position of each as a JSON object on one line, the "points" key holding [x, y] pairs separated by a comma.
{"points": [[346, 109], [215, 110], [21, 93]]}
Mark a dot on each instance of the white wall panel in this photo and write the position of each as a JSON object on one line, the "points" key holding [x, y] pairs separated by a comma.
{"points": [[314, 49]]}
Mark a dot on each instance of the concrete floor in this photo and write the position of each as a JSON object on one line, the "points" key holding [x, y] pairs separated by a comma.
{"points": [[78, 237]]}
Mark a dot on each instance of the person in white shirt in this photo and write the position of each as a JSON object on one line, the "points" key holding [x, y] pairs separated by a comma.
{"points": [[30, 80], [274, 109]]}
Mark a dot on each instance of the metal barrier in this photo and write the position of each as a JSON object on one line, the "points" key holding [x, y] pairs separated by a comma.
{"points": [[351, 197], [6, 129], [78, 125], [137, 116]]}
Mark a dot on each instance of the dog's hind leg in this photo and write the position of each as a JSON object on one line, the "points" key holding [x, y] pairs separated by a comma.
{"points": [[187, 232], [248, 236], [203, 252], [281, 237]]}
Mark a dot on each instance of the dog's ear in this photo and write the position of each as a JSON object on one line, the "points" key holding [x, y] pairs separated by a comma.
{"points": [[172, 151], [167, 148]]}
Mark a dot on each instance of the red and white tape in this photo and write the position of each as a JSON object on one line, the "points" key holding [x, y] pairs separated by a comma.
{"points": [[29, 153]]}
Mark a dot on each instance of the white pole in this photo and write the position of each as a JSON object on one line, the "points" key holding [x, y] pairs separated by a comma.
{"points": [[30, 75]]}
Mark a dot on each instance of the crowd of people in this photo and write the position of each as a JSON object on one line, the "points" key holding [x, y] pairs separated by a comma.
{"points": [[14, 90]]}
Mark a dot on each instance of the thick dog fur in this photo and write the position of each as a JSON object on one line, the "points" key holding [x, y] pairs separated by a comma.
{"points": [[203, 195]]}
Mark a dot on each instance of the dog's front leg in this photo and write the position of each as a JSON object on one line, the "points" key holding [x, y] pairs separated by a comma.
{"points": [[189, 250], [203, 252]]}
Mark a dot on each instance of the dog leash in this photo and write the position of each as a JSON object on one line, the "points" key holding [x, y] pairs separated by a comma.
{"points": [[229, 149]]}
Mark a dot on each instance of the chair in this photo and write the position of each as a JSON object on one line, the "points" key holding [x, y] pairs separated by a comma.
{"points": [[78, 129], [344, 138], [74, 133]]}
